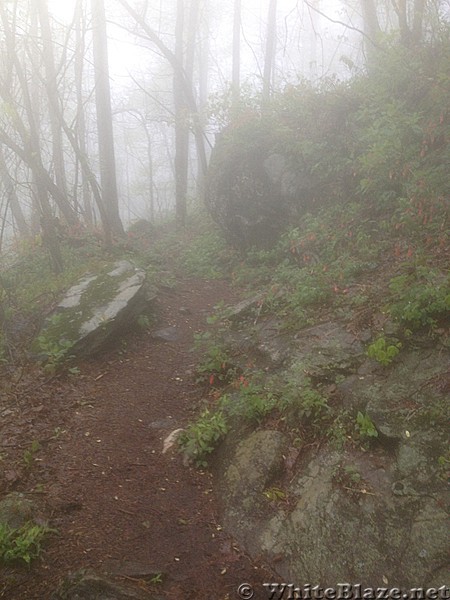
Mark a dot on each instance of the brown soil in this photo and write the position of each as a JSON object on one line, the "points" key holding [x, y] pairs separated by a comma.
{"points": [[119, 505]]}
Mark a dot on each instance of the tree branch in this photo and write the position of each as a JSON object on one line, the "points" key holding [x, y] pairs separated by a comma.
{"points": [[346, 25]]}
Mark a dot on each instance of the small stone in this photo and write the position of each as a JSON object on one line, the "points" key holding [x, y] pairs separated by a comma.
{"points": [[167, 334]]}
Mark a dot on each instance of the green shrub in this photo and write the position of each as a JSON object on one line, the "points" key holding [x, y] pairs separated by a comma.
{"points": [[23, 543], [202, 436], [420, 298], [206, 255], [299, 400], [215, 364], [383, 351], [365, 426], [252, 402]]}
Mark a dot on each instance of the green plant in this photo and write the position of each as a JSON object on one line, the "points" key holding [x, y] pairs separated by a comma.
{"points": [[274, 494], [420, 298], [143, 321], [444, 466], [346, 476], [340, 429], [157, 578], [215, 365], [74, 371], [383, 351], [300, 400], [201, 437], [55, 351], [252, 401], [206, 255], [23, 543], [29, 454], [365, 426]]}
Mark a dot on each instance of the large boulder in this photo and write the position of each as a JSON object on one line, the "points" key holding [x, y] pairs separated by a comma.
{"points": [[374, 515], [93, 311], [246, 194]]}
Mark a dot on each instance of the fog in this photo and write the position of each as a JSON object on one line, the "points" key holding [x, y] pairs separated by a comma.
{"points": [[49, 82]]}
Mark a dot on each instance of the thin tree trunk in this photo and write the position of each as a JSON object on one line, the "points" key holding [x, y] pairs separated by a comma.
{"points": [[14, 204], [108, 176], [53, 97], [236, 69], [182, 81], [401, 9], [181, 125], [419, 10], [269, 58], [80, 119], [30, 153], [372, 30]]}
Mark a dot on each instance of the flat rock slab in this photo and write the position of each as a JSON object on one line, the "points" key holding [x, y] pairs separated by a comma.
{"points": [[94, 310], [80, 586]]}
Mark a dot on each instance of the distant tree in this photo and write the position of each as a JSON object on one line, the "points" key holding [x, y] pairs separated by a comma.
{"points": [[269, 56], [186, 109], [112, 224], [80, 128], [236, 75], [51, 85], [181, 120], [9, 187], [20, 133]]}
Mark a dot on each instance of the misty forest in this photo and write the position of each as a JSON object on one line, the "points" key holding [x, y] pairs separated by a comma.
{"points": [[224, 299]]}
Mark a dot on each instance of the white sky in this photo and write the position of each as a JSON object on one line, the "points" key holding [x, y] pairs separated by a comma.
{"points": [[125, 57]]}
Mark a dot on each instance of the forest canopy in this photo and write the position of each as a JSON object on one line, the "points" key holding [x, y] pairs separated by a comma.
{"points": [[110, 109]]}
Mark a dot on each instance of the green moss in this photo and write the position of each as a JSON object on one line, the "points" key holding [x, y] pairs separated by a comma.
{"points": [[63, 328]]}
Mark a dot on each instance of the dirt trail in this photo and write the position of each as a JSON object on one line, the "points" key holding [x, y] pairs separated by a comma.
{"points": [[118, 503]]}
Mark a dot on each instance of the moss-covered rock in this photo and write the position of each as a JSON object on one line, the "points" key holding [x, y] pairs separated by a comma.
{"points": [[16, 510], [93, 311], [358, 513]]}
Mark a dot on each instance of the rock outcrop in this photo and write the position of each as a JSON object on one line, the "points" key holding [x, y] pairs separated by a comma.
{"points": [[374, 513], [94, 311]]}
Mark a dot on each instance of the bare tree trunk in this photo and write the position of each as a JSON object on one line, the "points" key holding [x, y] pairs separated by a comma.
{"points": [[53, 97], [108, 177], [13, 201], [417, 26], [181, 125], [30, 153], [372, 30], [236, 74], [80, 119], [401, 8], [183, 83], [151, 183], [203, 62], [269, 58]]}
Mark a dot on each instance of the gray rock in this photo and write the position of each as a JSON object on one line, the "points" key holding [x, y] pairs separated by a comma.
{"points": [[82, 586], [279, 171], [245, 308], [326, 348], [16, 510], [391, 522], [257, 460], [167, 334], [94, 311]]}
